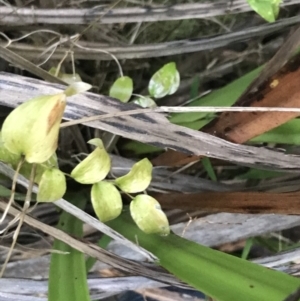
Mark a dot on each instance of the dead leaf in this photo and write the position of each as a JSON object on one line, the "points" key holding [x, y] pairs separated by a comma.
{"points": [[235, 202]]}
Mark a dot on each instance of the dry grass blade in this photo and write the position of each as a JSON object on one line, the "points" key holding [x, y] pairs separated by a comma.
{"points": [[9, 172], [97, 252], [149, 128], [22, 63], [99, 287], [91, 51], [15, 15]]}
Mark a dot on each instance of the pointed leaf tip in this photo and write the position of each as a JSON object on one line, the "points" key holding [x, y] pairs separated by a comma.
{"points": [[95, 167]]}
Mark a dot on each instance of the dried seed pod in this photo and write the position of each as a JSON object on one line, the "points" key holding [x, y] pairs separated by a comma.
{"points": [[138, 179], [106, 201], [148, 215], [95, 167]]}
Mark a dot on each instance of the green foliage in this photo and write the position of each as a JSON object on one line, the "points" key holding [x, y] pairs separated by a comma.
{"points": [[67, 78], [224, 277], [140, 148], [145, 102], [287, 133], [165, 81], [102, 243], [67, 276], [225, 96], [148, 215], [40, 119], [209, 168], [106, 201], [258, 174], [52, 185], [267, 9], [138, 178], [122, 89], [95, 167], [6, 156], [219, 275]]}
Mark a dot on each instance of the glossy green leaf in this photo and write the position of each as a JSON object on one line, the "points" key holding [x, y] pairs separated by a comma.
{"points": [[106, 201], [138, 179], [267, 9], [165, 81], [122, 89], [218, 275], [148, 215], [95, 167], [52, 185], [145, 102], [225, 96]]}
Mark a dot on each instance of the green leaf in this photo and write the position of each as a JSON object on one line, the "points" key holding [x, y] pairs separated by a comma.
{"points": [[225, 96], [247, 248], [165, 81], [67, 275], [122, 89], [260, 174], [106, 201], [145, 102], [138, 179], [40, 168], [67, 78], [216, 274], [5, 192], [95, 167], [209, 168], [102, 243], [32, 128], [76, 88], [287, 133], [140, 148], [267, 9], [6, 156], [148, 215], [52, 186]]}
